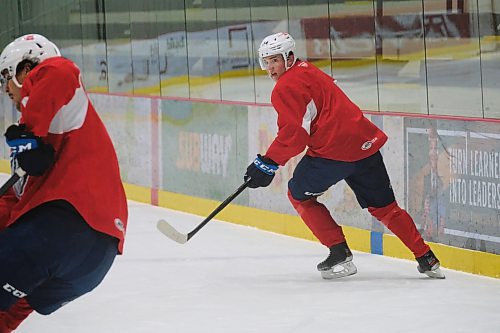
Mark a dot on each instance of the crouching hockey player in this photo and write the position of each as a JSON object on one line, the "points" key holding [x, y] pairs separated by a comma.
{"points": [[63, 223], [342, 144]]}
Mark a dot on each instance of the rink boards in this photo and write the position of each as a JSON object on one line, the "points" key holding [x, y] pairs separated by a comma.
{"points": [[191, 154]]}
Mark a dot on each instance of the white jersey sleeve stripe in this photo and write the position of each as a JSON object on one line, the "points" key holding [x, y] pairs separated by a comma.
{"points": [[72, 115], [309, 116]]}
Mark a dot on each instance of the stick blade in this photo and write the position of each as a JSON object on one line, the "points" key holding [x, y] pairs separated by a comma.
{"points": [[165, 228]]}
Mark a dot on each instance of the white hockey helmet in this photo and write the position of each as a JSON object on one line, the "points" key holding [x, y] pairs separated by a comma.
{"points": [[31, 46], [280, 43]]}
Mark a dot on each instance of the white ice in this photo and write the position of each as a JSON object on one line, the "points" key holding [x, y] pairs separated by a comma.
{"points": [[230, 278]]}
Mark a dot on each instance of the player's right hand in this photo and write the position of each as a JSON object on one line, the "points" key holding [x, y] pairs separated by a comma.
{"points": [[32, 154], [19, 139]]}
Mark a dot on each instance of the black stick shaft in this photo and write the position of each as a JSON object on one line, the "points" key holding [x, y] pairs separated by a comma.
{"points": [[219, 208], [12, 180]]}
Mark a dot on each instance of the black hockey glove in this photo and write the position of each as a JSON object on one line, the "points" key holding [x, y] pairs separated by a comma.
{"points": [[32, 154], [261, 172]]}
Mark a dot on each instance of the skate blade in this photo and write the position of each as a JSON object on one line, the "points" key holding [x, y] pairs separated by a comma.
{"points": [[435, 274], [340, 270]]}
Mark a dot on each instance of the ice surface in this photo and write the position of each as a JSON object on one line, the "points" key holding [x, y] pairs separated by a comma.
{"points": [[230, 278]]}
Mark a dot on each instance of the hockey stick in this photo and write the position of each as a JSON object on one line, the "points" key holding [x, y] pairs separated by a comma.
{"points": [[12, 180], [165, 228]]}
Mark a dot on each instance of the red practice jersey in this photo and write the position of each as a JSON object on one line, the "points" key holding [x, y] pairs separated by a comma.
{"points": [[55, 107], [313, 112]]}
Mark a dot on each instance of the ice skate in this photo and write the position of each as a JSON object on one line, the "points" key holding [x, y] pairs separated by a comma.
{"points": [[428, 264], [338, 264]]}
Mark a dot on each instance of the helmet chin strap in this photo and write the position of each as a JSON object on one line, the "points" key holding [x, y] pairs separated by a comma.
{"points": [[14, 79]]}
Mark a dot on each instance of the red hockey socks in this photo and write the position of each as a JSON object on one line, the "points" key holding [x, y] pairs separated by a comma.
{"points": [[318, 219], [401, 224], [11, 319]]}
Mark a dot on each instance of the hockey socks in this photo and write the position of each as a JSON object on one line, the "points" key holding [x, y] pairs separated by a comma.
{"points": [[317, 217], [11, 319], [401, 224]]}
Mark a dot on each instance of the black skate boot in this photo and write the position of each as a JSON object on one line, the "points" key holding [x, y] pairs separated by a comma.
{"points": [[338, 264], [428, 264]]}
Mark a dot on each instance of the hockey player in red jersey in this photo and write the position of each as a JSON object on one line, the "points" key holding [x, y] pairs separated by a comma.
{"points": [[63, 223], [342, 144]]}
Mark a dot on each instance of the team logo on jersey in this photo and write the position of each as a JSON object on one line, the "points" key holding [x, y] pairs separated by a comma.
{"points": [[119, 225], [368, 144]]}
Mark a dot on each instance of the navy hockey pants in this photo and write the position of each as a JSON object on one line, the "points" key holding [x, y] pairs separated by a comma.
{"points": [[51, 256], [367, 178]]}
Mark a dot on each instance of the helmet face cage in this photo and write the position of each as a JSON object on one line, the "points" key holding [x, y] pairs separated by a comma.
{"points": [[280, 43], [31, 46]]}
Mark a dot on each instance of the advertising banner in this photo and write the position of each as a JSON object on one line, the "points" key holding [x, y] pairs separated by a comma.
{"points": [[203, 148], [453, 181]]}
